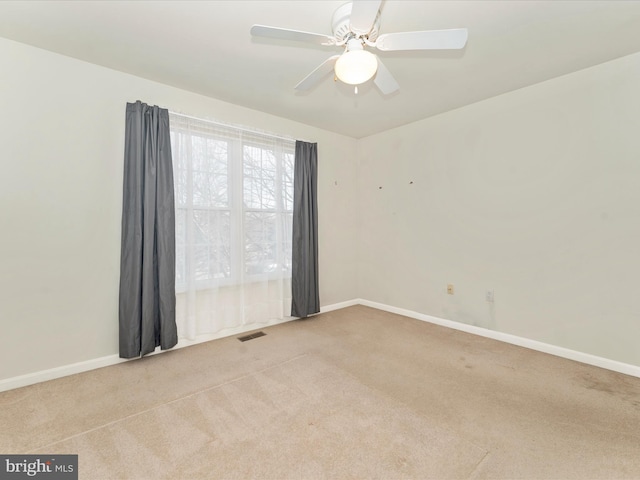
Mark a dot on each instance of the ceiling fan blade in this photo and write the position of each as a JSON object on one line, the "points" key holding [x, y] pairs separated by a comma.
{"points": [[296, 35], [384, 80], [318, 74], [428, 40], [363, 14]]}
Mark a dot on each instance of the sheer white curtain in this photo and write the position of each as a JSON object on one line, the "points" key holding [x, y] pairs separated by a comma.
{"points": [[234, 201]]}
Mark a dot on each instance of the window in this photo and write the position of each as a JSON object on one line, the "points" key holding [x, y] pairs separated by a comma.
{"points": [[234, 203], [268, 208]]}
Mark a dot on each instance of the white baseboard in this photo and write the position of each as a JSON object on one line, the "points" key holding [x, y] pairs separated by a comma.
{"points": [[92, 364], [587, 358], [79, 367], [338, 306], [58, 372], [65, 370]]}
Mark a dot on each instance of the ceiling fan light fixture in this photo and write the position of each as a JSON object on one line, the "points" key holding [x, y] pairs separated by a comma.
{"points": [[354, 25], [356, 66]]}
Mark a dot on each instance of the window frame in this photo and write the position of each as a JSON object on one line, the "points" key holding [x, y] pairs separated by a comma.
{"points": [[237, 139]]}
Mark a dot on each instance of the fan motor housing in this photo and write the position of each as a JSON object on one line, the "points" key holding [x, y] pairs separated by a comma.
{"points": [[341, 20]]}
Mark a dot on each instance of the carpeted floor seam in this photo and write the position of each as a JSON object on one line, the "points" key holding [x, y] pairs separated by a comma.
{"points": [[478, 465], [170, 402]]}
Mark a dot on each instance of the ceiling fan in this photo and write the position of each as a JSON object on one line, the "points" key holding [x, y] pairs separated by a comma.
{"points": [[355, 27]]}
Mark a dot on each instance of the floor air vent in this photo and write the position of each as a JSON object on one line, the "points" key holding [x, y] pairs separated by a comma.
{"points": [[251, 336]]}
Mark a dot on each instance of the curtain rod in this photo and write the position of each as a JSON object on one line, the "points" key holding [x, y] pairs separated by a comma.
{"points": [[267, 134]]}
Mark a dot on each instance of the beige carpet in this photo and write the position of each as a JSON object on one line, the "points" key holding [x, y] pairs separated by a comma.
{"points": [[355, 393]]}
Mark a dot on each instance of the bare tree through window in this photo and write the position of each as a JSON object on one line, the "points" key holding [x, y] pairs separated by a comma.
{"points": [[234, 203]]}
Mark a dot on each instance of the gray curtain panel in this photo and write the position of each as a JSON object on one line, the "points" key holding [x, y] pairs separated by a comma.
{"points": [[147, 262], [304, 268]]}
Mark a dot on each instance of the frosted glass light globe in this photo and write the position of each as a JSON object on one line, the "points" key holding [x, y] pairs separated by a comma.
{"points": [[356, 66]]}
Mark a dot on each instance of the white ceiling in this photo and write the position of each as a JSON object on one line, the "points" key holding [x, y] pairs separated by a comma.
{"points": [[205, 47]]}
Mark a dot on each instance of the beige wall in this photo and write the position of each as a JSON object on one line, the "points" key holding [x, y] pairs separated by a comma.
{"points": [[62, 137], [534, 194]]}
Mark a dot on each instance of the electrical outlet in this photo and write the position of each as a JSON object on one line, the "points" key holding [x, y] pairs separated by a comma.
{"points": [[450, 289], [489, 296]]}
